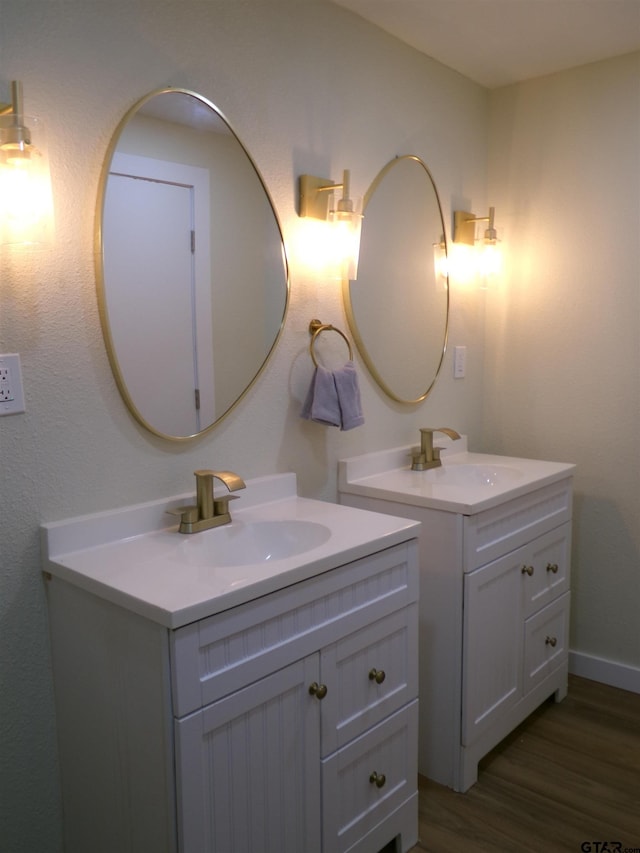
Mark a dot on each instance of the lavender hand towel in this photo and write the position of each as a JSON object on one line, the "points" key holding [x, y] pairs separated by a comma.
{"points": [[321, 404], [348, 390]]}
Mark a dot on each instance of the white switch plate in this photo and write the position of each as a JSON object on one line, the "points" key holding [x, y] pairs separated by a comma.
{"points": [[459, 362], [11, 391]]}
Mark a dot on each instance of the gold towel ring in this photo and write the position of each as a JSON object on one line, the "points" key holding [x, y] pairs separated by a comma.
{"points": [[315, 328]]}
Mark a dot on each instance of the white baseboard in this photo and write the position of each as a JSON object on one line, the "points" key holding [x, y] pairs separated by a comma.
{"points": [[606, 671]]}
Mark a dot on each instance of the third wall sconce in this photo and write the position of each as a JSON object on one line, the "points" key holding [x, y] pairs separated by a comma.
{"points": [[487, 257]]}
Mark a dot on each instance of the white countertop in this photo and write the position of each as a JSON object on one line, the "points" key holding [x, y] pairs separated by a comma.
{"points": [[387, 475], [133, 558]]}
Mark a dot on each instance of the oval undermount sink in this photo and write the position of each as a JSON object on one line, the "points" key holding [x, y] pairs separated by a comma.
{"points": [[472, 474], [247, 543], [466, 483]]}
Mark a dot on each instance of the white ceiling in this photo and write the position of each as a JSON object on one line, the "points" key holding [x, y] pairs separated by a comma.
{"points": [[498, 42]]}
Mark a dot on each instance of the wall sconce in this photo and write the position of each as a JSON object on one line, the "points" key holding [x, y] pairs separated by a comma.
{"points": [[26, 202], [317, 202], [488, 260]]}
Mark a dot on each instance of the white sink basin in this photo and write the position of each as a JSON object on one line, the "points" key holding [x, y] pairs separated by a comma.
{"points": [[465, 483], [491, 475], [251, 543], [135, 557]]}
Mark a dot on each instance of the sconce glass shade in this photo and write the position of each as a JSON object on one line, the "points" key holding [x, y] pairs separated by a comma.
{"points": [[441, 262], [26, 201], [489, 261], [346, 226]]}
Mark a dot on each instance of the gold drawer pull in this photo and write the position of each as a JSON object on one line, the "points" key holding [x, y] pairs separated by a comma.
{"points": [[551, 641], [552, 567], [377, 675], [527, 570], [377, 779], [318, 690]]}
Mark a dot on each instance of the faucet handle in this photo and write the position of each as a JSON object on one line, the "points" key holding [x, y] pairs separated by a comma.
{"points": [[186, 514], [221, 503]]}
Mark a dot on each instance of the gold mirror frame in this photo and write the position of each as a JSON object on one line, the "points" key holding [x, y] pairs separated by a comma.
{"points": [[200, 103], [364, 350]]}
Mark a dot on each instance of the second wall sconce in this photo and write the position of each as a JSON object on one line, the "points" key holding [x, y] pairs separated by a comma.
{"points": [[26, 202], [488, 259], [317, 201]]}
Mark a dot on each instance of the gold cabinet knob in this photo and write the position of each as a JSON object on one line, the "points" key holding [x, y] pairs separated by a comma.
{"points": [[552, 567], [527, 570], [551, 641], [377, 675], [318, 690], [377, 779]]}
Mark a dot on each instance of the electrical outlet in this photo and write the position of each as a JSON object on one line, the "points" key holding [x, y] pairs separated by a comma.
{"points": [[11, 391]]}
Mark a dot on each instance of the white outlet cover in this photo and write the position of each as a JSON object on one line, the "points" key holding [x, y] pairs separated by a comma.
{"points": [[11, 390]]}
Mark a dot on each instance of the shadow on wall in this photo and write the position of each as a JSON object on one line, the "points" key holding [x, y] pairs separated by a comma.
{"points": [[613, 548]]}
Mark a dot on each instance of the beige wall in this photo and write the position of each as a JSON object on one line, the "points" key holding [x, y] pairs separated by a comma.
{"points": [[348, 97], [562, 373], [560, 379]]}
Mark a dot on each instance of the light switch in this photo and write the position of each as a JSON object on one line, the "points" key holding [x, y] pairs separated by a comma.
{"points": [[459, 362]]}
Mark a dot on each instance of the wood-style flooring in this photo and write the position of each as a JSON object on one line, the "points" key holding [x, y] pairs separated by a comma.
{"points": [[567, 778]]}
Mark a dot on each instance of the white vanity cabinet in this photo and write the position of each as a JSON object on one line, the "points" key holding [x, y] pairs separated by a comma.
{"points": [[285, 724], [515, 629], [494, 606]]}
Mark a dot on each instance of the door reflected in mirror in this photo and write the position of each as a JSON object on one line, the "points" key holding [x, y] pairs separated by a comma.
{"points": [[398, 309], [192, 273]]}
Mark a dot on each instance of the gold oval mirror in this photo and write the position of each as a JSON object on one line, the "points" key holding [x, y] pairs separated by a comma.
{"points": [[398, 309], [192, 274]]}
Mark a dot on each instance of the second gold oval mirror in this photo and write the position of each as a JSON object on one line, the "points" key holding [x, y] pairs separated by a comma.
{"points": [[398, 308], [192, 274]]}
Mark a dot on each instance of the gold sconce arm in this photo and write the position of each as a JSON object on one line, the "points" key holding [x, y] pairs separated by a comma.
{"points": [[464, 227]]}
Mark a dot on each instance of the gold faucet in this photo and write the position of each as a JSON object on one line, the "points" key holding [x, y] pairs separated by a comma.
{"points": [[429, 456], [209, 510]]}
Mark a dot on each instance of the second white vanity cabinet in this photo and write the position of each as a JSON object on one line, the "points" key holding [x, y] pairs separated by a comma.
{"points": [[494, 598], [279, 723]]}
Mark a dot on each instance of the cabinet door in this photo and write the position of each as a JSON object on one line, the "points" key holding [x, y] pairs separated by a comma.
{"points": [[492, 643], [248, 774]]}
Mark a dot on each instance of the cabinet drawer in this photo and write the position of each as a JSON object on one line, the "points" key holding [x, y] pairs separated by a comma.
{"points": [[369, 675], [354, 803], [548, 559], [546, 643], [225, 652], [492, 533]]}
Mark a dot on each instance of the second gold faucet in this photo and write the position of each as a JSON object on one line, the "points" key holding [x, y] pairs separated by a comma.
{"points": [[429, 456]]}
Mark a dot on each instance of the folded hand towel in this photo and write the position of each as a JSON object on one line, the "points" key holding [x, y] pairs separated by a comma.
{"points": [[348, 390], [321, 404]]}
